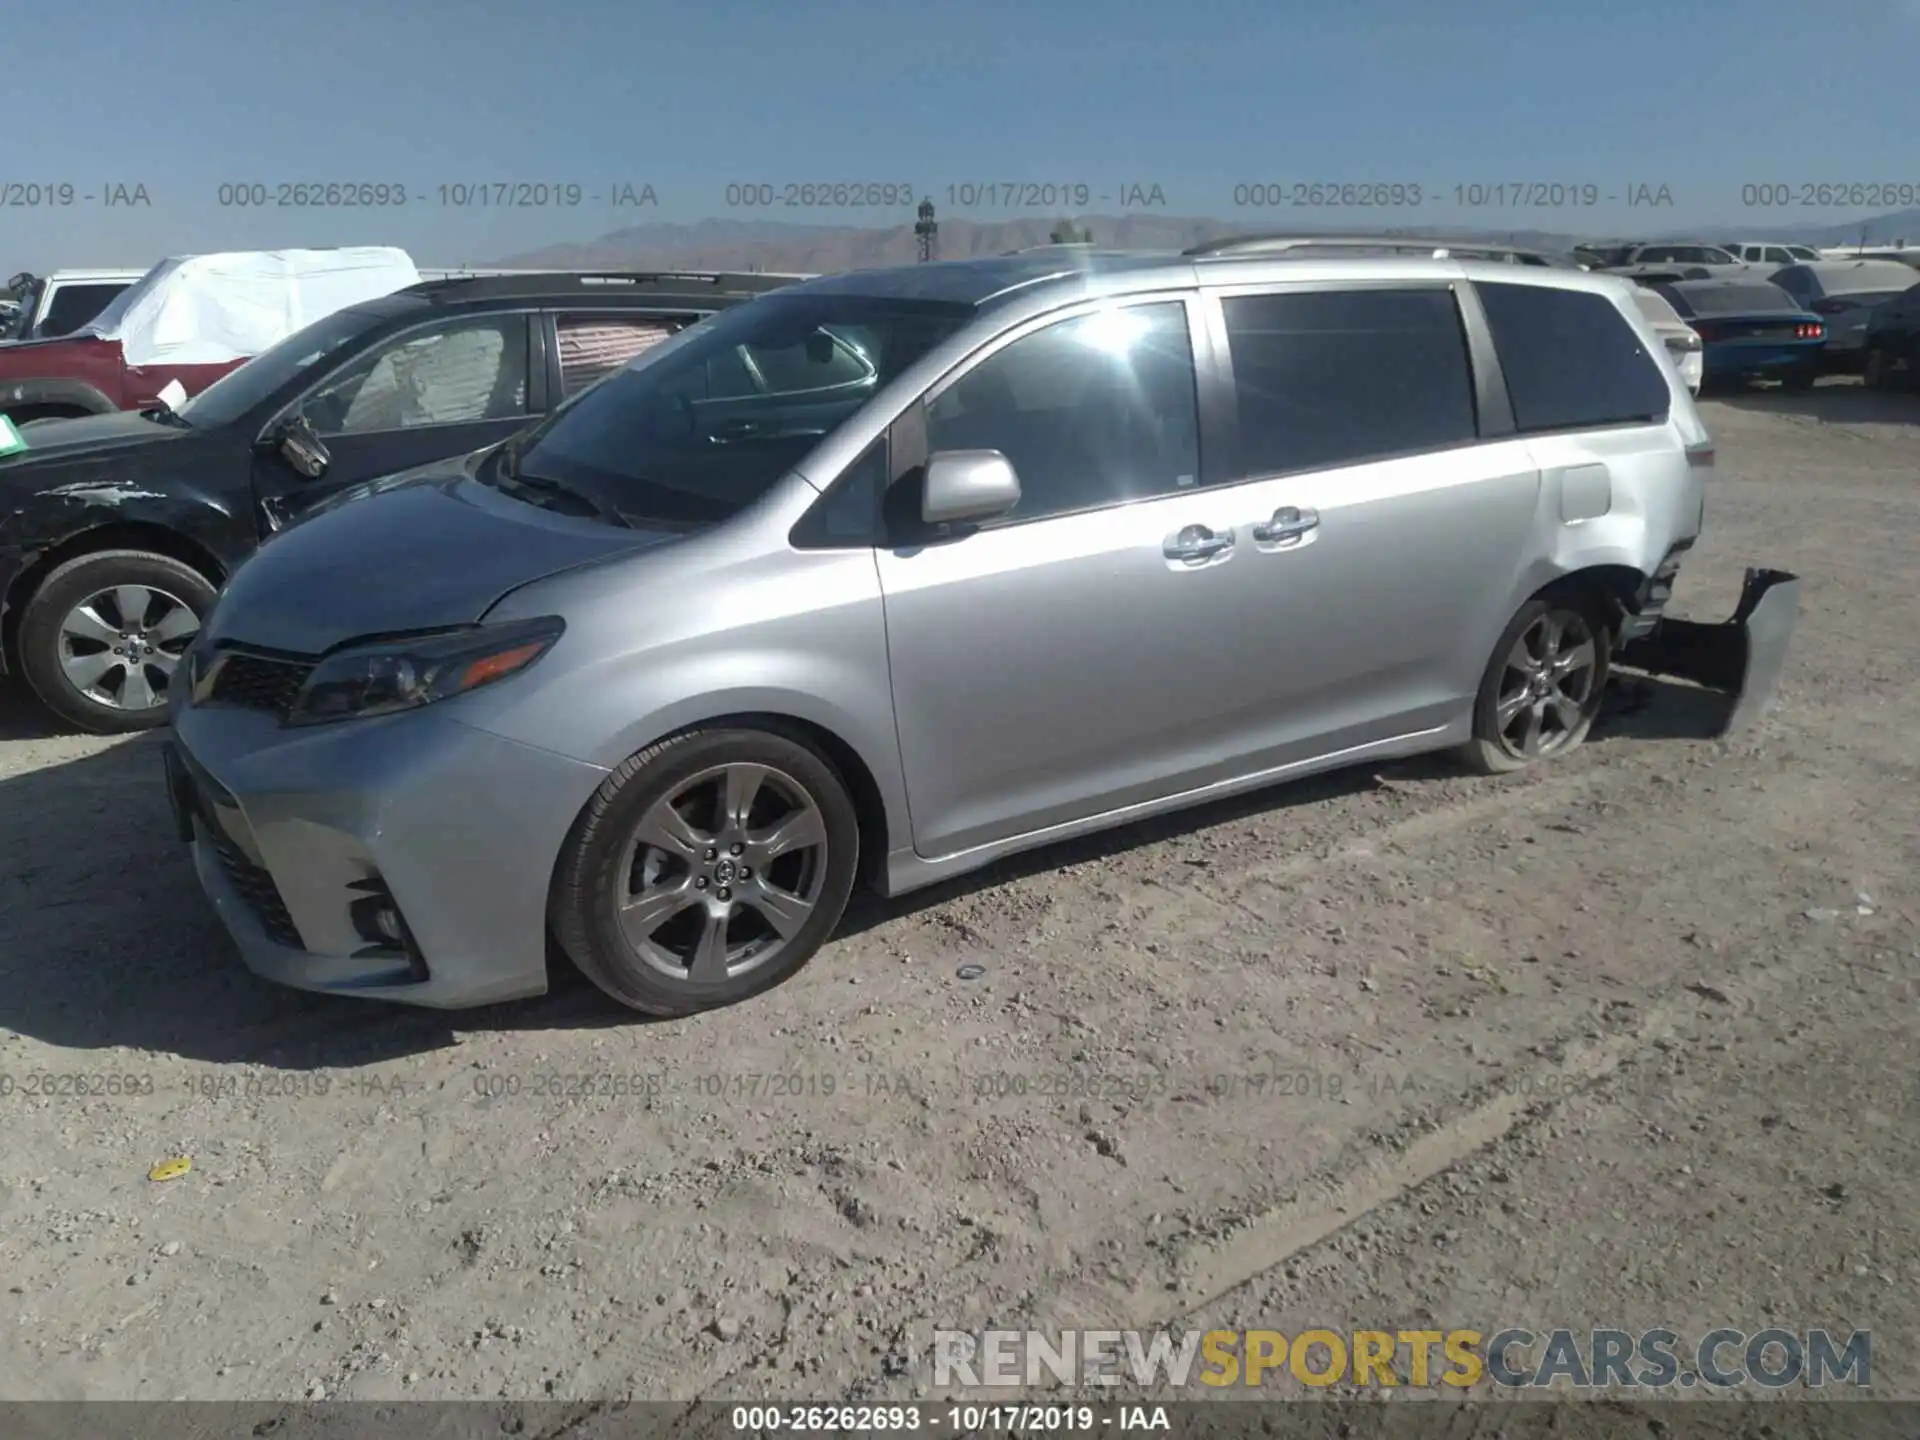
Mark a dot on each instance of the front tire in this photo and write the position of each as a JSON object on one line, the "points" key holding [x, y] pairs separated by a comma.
{"points": [[1542, 686], [100, 638], [708, 868]]}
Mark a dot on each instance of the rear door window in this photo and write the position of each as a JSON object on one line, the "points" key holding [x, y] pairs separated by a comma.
{"points": [[1325, 378], [592, 347], [1571, 360]]}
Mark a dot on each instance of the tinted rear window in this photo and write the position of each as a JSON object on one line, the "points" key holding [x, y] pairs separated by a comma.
{"points": [[1654, 306], [1334, 377], [1571, 360], [74, 305], [1756, 299]]}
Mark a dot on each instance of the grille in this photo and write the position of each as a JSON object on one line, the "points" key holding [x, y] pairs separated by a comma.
{"points": [[256, 887], [253, 682]]}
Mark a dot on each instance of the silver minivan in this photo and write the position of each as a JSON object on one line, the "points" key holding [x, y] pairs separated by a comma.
{"points": [[883, 576]]}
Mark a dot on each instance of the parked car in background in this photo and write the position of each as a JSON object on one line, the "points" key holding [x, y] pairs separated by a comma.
{"points": [[1770, 253], [1652, 263], [1750, 330], [1845, 293], [1601, 254], [670, 674], [1682, 343], [1891, 348], [186, 323], [50, 306], [116, 530]]}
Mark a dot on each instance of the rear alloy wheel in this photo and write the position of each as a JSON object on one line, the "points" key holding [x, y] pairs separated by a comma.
{"points": [[101, 637], [708, 868], [1541, 689]]}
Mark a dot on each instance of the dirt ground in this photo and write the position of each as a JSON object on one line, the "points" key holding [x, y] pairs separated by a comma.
{"points": [[1628, 1043]]}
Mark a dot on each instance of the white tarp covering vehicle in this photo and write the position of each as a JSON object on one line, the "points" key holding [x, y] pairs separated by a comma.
{"points": [[216, 309]]}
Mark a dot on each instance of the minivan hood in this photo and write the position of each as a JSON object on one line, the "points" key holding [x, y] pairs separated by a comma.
{"points": [[433, 550], [90, 434]]}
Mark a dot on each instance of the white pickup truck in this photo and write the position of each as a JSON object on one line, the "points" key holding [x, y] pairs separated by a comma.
{"points": [[60, 303]]}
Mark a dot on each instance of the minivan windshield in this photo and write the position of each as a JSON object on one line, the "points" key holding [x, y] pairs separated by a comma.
{"points": [[699, 428], [238, 391]]}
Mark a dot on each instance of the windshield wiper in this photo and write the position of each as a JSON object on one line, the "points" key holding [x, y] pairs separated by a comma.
{"points": [[540, 488], [164, 414]]}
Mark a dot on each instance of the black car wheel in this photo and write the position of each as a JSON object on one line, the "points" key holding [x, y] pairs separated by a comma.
{"points": [[1878, 371], [1800, 377], [1542, 686], [709, 867], [100, 638]]}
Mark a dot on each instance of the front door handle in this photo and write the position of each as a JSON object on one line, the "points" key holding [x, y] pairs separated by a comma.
{"points": [[1288, 523], [1196, 543]]}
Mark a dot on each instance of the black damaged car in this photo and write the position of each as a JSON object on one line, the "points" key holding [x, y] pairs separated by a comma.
{"points": [[117, 531]]}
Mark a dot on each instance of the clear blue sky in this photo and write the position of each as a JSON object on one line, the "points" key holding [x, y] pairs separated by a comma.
{"points": [[1197, 97]]}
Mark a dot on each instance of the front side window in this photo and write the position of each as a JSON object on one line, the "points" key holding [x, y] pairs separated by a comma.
{"points": [[1335, 377], [461, 373], [696, 430], [276, 369], [1091, 411], [1571, 359]]}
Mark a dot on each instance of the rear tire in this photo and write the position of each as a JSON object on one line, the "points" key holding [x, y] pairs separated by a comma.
{"points": [[1877, 372], [102, 634], [1542, 686], [708, 868]]}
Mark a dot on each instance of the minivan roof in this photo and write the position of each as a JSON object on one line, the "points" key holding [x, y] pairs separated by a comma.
{"points": [[977, 283]]}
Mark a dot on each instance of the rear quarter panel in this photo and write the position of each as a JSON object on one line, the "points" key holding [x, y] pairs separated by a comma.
{"points": [[1652, 496]]}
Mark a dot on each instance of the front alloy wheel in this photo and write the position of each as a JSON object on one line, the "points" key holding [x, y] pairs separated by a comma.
{"points": [[709, 867], [104, 633], [119, 647], [722, 874]]}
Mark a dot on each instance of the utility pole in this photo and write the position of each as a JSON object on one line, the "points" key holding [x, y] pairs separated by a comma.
{"points": [[928, 230]]}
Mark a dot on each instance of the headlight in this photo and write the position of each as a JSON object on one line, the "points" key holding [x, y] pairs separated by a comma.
{"points": [[404, 674]]}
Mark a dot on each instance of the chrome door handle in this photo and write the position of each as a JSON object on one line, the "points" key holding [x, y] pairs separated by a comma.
{"points": [[1288, 523], [1197, 542]]}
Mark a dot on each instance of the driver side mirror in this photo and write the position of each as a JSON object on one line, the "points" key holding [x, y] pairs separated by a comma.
{"points": [[300, 447], [968, 485]]}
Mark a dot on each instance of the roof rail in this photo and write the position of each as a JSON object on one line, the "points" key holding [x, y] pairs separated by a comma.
{"points": [[1435, 247]]}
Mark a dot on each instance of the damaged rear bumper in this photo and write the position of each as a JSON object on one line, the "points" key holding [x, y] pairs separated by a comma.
{"points": [[1741, 657]]}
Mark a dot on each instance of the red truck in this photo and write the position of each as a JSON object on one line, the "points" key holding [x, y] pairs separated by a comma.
{"points": [[191, 319]]}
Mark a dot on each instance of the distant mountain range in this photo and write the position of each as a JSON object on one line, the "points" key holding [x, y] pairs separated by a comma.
{"points": [[822, 249]]}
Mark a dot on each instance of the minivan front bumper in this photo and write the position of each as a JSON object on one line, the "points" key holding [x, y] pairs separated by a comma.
{"points": [[1741, 657], [406, 858]]}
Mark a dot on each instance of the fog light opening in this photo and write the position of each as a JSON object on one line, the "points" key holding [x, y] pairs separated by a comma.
{"points": [[377, 920]]}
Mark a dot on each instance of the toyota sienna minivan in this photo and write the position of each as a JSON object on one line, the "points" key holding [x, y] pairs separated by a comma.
{"points": [[879, 577]]}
